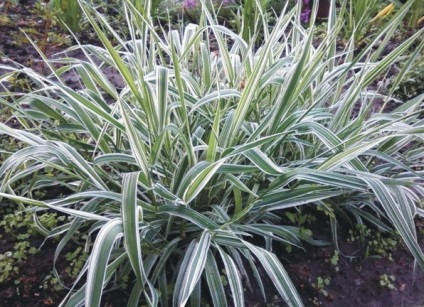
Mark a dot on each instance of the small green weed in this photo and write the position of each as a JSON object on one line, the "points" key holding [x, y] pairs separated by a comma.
{"points": [[52, 283], [386, 281], [7, 266], [383, 246], [300, 219], [320, 284], [20, 225], [76, 260], [377, 244], [9, 260], [334, 260], [359, 234]]}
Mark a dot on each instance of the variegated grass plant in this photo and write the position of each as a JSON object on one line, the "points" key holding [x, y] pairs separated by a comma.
{"points": [[358, 15], [189, 168], [416, 15], [69, 14]]}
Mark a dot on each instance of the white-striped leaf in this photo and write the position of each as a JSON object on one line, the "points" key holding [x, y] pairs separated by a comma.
{"points": [[278, 275], [191, 269], [99, 258]]}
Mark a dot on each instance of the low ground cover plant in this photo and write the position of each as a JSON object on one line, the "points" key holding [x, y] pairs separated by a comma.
{"points": [[190, 167]]}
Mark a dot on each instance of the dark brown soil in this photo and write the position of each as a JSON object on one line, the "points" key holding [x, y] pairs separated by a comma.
{"points": [[27, 288], [353, 281]]}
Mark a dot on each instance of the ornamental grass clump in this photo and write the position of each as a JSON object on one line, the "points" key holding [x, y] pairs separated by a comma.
{"points": [[69, 13], [189, 168]]}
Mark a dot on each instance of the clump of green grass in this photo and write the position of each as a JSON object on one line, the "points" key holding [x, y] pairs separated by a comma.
{"points": [[200, 152]]}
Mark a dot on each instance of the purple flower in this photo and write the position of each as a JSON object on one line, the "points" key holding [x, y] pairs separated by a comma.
{"points": [[306, 11], [190, 4], [304, 16]]}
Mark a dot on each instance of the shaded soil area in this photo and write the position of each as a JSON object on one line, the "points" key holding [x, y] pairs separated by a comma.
{"points": [[30, 285], [360, 275], [351, 278], [356, 280]]}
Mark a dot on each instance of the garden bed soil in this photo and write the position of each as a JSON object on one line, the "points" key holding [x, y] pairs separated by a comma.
{"points": [[355, 279]]}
